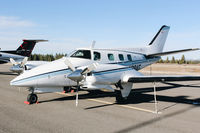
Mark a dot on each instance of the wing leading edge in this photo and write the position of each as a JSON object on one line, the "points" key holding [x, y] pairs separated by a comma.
{"points": [[144, 79]]}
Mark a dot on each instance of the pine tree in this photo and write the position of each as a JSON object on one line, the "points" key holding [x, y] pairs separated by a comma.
{"points": [[167, 60], [182, 61], [173, 60], [160, 61]]}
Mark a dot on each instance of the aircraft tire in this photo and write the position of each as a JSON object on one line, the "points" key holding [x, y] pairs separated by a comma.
{"points": [[119, 98], [32, 98]]}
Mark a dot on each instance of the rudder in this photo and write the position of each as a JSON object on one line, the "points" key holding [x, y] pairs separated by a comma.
{"points": [[26, 48], [157, 43]]}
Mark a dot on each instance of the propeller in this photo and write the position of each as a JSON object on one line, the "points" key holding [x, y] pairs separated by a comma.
{"points": [[78, 74], [24, 62], [21, 64], [13, 62]]}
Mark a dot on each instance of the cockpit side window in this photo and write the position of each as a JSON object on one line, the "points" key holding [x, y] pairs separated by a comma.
{"points": [[121, 57], [129, 57], [82, 54], [111, 57], [97, 56]]}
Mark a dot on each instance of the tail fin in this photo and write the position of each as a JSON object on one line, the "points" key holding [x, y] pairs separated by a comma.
{"points": [[26, 48], [157, 43]]}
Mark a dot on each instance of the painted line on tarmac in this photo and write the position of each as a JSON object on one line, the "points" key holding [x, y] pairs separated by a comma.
{"points": [[125, 106], [105, 102]]}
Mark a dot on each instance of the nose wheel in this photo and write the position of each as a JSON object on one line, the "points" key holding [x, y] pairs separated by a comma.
{"points": [[32, 98]]}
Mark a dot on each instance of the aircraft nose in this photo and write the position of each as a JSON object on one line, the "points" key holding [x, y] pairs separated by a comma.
{"points": [[13, 82], [18, 81]]}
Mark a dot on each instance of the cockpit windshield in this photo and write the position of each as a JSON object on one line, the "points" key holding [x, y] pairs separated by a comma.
{"points": [[82, 54]]}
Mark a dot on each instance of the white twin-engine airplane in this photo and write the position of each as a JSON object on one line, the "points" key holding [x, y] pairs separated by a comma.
{"points": [[93, 69]]}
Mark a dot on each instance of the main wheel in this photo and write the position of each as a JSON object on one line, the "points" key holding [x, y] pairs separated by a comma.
{"points": [[32, 98], [119, 98]]}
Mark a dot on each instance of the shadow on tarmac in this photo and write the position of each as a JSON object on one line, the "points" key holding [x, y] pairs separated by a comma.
{"points": [[137, 96], [154, 120], [7, 73]]}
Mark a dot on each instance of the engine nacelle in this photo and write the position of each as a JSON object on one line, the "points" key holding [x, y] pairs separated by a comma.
{"points": [[17, 69]]}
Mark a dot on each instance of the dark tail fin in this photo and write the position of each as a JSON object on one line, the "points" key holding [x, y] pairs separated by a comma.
{"points": [[26, 48]]}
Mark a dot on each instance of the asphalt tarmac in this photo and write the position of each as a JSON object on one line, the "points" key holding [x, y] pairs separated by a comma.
{"points": [[97, 112]]}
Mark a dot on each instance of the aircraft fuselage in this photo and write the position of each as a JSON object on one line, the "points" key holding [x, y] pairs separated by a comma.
{"points": [[5, 57]]}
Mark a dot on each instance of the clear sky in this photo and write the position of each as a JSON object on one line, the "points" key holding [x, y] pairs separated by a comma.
{"points": [[69, 24]]}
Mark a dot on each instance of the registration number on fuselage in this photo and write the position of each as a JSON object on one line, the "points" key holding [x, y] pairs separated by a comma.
{"points": [[136, 66]]}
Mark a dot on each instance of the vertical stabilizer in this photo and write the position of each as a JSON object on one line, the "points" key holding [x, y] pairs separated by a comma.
{"points": [[26, 48], [158, 42]]}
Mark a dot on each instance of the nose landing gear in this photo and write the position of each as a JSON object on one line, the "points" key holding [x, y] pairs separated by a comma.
{"points": [[32, 98]]}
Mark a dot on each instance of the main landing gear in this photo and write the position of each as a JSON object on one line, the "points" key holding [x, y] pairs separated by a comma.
{"points": [[32, 98], [118, 94], [119, 98]]}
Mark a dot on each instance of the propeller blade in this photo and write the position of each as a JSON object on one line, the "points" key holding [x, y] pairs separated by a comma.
{"points": [[89, 68], [69, 64], [13, 61], [24, 61]]}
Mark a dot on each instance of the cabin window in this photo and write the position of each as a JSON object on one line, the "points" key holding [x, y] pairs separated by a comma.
{"points": [[121, 57], [0, 54], [82, 54], [129, 57], [111, 57], [97, 56]]}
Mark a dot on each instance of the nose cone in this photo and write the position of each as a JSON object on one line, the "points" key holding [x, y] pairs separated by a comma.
{"points": [[16, 81], [22, 81], [12, 82]]}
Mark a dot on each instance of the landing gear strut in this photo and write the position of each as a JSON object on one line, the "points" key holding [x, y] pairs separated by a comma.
{"points": [[32, 98]]}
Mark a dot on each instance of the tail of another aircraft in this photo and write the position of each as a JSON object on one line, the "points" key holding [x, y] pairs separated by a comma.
{"points": [[26, 48], [158, 42]]}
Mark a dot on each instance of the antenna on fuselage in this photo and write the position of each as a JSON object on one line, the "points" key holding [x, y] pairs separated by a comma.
{"points": [[93, 44], [91, 48]]}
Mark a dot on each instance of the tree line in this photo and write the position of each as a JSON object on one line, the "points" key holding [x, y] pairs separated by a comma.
{"points": [[46, 57], [178, 61]]}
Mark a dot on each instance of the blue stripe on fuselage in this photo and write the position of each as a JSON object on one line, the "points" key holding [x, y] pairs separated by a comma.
{"points": [[111, 71], [44, 75]]}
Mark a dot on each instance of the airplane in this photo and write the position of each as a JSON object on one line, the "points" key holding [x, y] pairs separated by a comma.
{"points": [[24, 50], [94, 69]]}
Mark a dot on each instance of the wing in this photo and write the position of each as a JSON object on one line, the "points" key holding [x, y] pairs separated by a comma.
{"points": [[142, 79]]}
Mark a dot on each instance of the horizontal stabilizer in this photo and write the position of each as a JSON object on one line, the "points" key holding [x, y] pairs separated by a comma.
{"points": [[173, 52], [144, 79], [35, 40]]}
